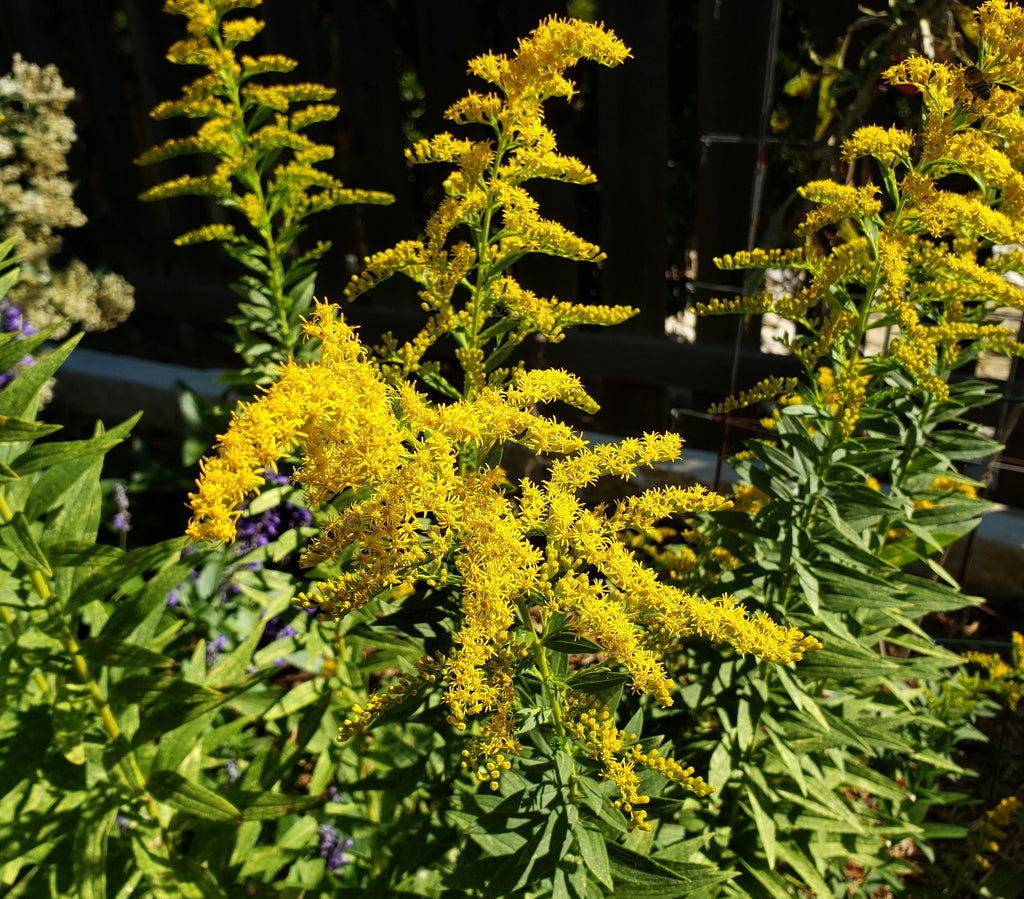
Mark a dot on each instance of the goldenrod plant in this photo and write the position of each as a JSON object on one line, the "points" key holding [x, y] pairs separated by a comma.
{"points": [[513, 613], [488, 220], [832, 767], [268, 172]]}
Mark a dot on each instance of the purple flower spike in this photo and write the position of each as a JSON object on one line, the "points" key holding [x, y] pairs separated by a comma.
{"points": [[331, 849], [214, 649], [328, 840], [123, 518], [338, 857], [11, 317]]}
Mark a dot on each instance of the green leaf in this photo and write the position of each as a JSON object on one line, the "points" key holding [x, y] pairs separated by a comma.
{"points": [[846, 665], [809, 586], [790, 762], [108, 580], [566, 642], [15, 429], [270, 806], [793, 855], [593, 852], [765, 826], [136, 618], [772, 881], [640, 876], [162, 878], [69, 722], [75, 491], [233, 665], [800, 699], [83, 554], [19, 398], [963, 446], [17, 535], [772, 456], [62, 452], [112, 653], [720, 766], [190, 797], [90, 850]]}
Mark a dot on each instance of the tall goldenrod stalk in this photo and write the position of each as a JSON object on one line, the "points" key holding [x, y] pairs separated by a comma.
{"points": [[420, 500], [267, 172], [908, 290]]}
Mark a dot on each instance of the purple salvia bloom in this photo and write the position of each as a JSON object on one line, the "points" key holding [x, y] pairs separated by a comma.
{"points": [[214, 649], [297, 516], [122, 824], [255, 531], [123, 518], [328, 840], [231, 769], [174, 597], [12, 319], [338, 857], [10, 316], [331, 849]]}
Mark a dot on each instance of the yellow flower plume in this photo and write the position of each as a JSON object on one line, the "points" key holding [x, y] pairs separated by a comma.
{"points": [[425, 506]]}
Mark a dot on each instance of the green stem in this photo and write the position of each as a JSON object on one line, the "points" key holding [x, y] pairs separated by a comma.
{"points": [[540, 662], [265, 227], [484, 276]]}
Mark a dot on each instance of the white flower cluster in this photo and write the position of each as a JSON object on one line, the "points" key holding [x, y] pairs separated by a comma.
{"points": [[36, 204]]}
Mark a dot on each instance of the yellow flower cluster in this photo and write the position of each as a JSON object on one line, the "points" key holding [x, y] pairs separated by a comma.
{"points": [[407, 686], [761, 259], [768, 389], [488, 220], [908, 261], [837, 202], [1004, 677], [750, 499], [235, 133], [423, 505], [944, 484], [843, 392], [590, 722], [888, 145], [995, 827]]}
